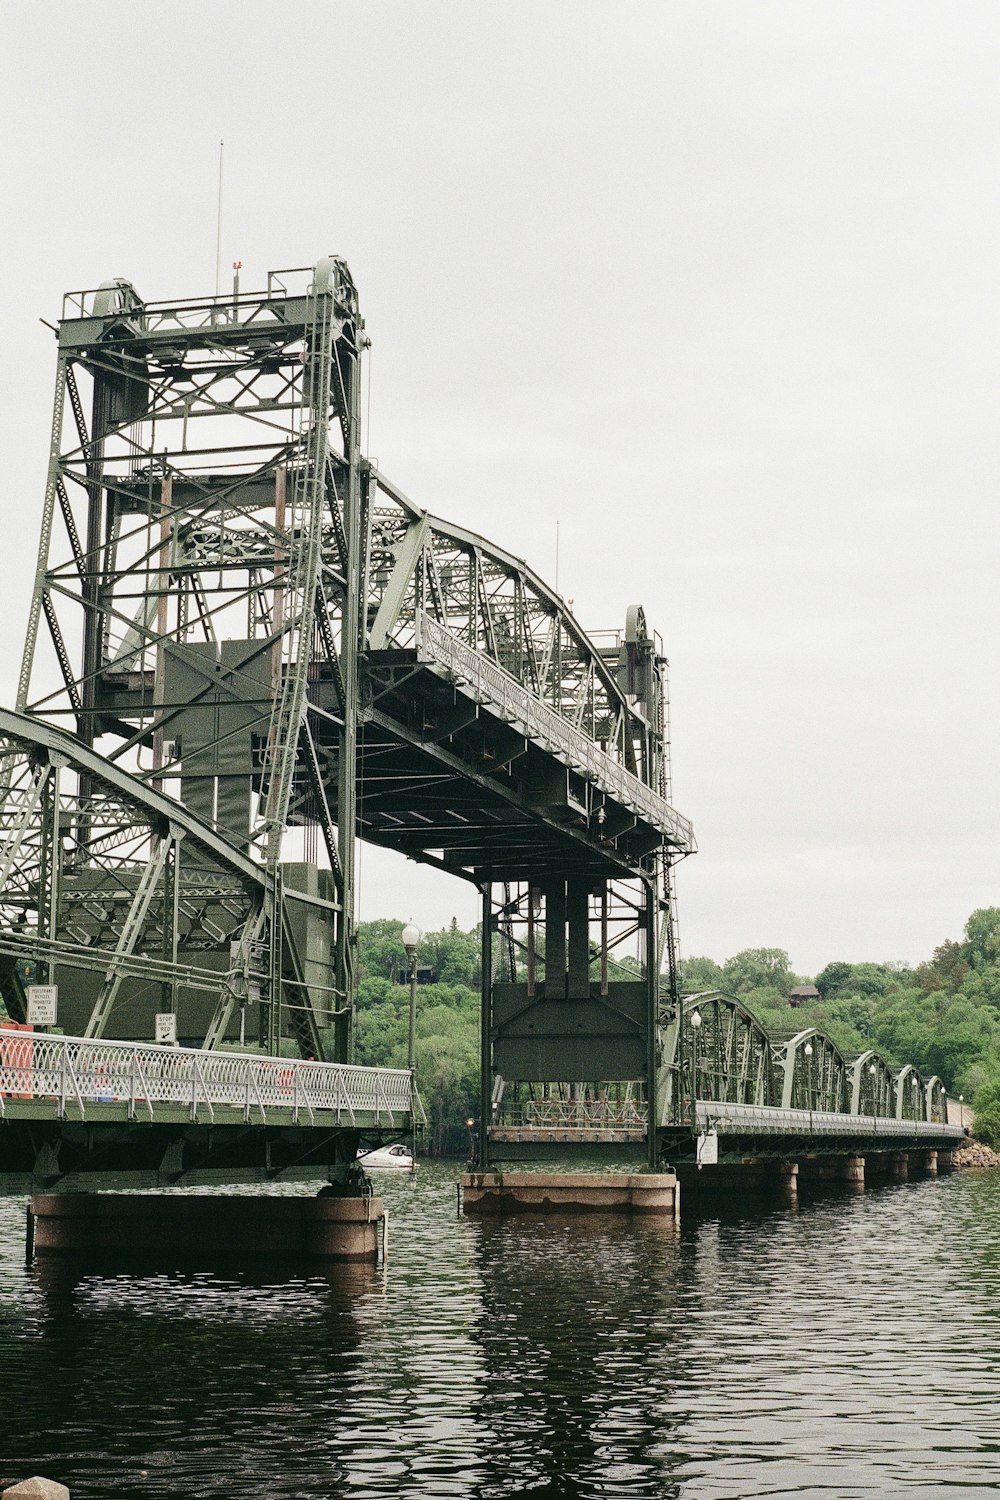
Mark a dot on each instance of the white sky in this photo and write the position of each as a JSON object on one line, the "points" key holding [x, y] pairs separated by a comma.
{"points": [[713, 284]]}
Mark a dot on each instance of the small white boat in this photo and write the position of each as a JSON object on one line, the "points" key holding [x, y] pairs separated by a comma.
{"points": [[387, 1157]]}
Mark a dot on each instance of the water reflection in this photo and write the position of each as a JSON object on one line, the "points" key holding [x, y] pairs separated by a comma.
{"points": [[578, 1378], [150, 1383], [844, 1349]]}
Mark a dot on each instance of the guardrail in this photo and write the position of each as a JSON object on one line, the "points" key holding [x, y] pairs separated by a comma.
{"points": [[582, 1113], [69, 1069], [756, 1119], [492, 684]]}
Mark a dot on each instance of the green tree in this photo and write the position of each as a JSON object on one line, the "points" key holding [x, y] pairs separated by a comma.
{"points": [[700, 974], [757, 968], [834, 980], [982, 937]]}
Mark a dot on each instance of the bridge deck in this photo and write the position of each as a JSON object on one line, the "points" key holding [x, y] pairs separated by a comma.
{"points": [[56, 1077], [761, 1120]]}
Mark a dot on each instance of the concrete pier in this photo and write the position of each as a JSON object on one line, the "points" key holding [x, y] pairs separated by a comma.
{"points": [[931, 1163], [231, 1225], [786, 1176], [853, 1172], [899, 1166], [570, 1192]]}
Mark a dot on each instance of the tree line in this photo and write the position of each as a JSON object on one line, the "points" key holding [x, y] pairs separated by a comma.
{"points": [[942, 1015]]}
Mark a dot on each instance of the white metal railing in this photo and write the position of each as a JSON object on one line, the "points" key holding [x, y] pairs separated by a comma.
{"points": [[516, 705], [738, 1119], [72, 1070], [586, 1113]]}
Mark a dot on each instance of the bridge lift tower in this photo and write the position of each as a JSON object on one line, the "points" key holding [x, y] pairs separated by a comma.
{"points": [[246, 647]]}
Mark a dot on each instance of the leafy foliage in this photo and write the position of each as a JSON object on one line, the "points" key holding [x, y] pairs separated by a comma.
{"points": [[943, 1016], [447, 1022]]}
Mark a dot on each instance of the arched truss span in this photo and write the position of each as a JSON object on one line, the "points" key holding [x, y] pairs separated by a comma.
{"points": [[910, 1094], [811, 1072], [935, 1101], [610, 688], [132, 906], [871, 1085], [712, 1047]]}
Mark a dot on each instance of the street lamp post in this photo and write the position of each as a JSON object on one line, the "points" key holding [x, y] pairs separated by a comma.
{"points": [[411, 942], [808, 1050], [695, 1027]]}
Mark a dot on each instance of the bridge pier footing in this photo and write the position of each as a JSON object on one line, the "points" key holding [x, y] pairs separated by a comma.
{"points": [[496, 1192], [899, 1166], [787, 1178], [852, 1172], [216, 1224]]}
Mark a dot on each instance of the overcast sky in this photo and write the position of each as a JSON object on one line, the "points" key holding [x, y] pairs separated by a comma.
{"points": [[713, 285]]}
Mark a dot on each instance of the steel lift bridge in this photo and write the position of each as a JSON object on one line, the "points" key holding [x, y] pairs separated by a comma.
{"points": [[245, 647]]}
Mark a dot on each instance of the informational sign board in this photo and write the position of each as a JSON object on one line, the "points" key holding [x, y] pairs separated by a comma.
{"points": [[43, 1004], [708, 1149], [166, 1028]]}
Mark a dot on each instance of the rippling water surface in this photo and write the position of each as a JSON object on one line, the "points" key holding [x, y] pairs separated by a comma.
{"points": [[849, 1347]]}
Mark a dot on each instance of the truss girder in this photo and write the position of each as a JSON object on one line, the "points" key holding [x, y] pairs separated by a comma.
{"points": [[234, 603]]}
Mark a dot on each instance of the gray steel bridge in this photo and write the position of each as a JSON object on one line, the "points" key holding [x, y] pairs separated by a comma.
{"points": [[245, 648]]}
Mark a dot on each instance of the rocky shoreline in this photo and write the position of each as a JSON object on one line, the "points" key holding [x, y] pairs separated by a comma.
{"points": [[975, 1154]]}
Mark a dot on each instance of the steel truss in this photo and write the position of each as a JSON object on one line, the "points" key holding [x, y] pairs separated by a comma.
{"points": [[243, 617], [198, 575], [713, 1051]]}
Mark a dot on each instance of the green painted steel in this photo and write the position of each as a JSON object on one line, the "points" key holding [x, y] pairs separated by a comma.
{"points": [[713, 1050], [245, 646]]}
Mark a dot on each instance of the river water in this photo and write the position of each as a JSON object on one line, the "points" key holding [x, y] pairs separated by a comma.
{"points": [[847, 1347]]}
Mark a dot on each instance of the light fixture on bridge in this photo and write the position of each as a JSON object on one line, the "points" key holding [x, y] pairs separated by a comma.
{"points": [[411, 939], [696, 1019], [872, 1069], [808, 1049]]}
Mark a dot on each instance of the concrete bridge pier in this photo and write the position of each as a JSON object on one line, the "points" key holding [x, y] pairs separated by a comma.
{"points": [[944, 1161], [786, 1178], [899, 1166], [178, 1225], [852, 1171], [497, 1192], [930, 1163]]}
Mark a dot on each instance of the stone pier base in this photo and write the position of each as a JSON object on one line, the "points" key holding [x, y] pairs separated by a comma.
{"points": [[570, 1192], [786, 1174], [852, 1172], [931, 1163], [197, 1224], [899, 1166]]}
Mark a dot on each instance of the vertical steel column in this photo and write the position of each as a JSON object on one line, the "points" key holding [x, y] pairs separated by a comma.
{"points": [[578, 947], [350, 636], [604, 937], [44, 875], [163, 592], [171, 919], [531, 958], [652, 1004], [555, 939], [486, 1028]]}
